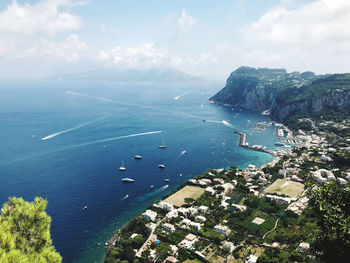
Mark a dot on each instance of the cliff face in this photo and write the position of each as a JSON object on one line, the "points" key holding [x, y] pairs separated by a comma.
{"points": [[283, 93]]}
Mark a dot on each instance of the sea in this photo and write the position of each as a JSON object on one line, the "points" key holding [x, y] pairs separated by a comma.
{"points": [[65, 141]]}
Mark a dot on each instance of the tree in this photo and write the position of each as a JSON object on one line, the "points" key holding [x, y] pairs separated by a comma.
{"points": [[163, 249], [25, 232], [332, 207]]}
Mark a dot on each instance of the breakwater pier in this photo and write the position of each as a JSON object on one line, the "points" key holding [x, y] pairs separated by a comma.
{"points": [[242, 142]]}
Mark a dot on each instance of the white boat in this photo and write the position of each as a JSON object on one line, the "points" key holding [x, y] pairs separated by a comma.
{"points": [[122, 168], [162, 146], [162, 166], [180, 174], [126, 196], [85, 207], [151, 186], [167, 180], [138, 157], [183, 152], [128, 180]]}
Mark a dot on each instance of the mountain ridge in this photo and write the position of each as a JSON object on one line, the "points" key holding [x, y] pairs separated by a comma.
{"points": [[284, 93]]}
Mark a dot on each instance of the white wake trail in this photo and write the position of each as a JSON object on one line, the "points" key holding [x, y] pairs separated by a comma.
{"points": [[69, 130], [134, 104], [83, 144], [178, 97]]}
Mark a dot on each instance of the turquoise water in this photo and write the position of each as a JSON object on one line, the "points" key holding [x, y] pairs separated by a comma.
{"points": [[89, 128]]}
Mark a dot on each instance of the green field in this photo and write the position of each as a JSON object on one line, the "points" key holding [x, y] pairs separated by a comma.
{"points": [[288, 188]]}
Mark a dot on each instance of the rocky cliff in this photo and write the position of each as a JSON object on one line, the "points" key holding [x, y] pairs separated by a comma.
{"points": [[284, 93]]}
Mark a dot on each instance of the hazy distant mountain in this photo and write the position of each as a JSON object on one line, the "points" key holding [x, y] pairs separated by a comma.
{"points": [[131, 75]]}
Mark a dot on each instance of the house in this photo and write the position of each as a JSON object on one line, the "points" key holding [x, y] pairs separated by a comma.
{"points": [[166, 206], [171, 259], [186, 222], [210, 190], [192, 210], [223, 230], [252, 259], [229, 245], [182, 211], [201, 218], [195, 225], [219, 180], [204, 181], [190, 237], [149, 214], [240, 208], [169, 227], [341, 180], [172, 214], [134, 235], [203, 209], [193, 181], [303, 246], [173, 249], [227, 187]]}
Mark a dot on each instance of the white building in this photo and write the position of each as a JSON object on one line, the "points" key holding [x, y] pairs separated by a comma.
{"points": [[169, 227], [203, 209], [223, 230], [149, 214], [166, 206], [201, 218], [252, 259]]}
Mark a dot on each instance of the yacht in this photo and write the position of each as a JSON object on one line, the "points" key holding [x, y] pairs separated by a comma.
{"points": [[167, 180], [162, 166], [183, 152], [122, 168], [138, 157], [128, 180], [151, 186], [162, 146]]}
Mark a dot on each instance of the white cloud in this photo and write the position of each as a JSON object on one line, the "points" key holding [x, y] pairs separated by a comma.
{"points": [[145, 55], [313, 36], [69, 50], [45, 16], [185, 22]]}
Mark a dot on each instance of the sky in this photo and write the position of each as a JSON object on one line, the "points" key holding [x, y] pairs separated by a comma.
{"points": [[201, 37]]}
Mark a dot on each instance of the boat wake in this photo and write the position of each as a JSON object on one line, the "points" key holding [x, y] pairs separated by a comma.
{"points": [[162, 188], [82, 145], [178, 97], [136, 105], [70, 130]]}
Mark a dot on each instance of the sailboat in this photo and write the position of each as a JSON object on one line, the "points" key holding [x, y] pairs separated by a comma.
{"points": [[162, 146], [122, 168]]}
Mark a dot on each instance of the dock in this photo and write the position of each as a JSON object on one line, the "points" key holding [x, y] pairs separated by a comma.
{"points": [[243, 143]]}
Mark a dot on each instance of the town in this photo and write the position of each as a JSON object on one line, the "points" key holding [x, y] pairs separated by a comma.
{"points": [[234, 215]]}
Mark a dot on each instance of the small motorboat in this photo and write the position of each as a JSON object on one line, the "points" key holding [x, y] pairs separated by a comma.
{"points": [[128, 180], [85, 207], [122, 168], [167, 180], [161, 166], [137, 157]]}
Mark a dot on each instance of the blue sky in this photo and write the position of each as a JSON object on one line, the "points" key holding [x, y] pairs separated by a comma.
{"points": [[201, 37]]}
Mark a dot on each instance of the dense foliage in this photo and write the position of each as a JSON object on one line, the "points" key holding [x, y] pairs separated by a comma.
{"points": [[332, 207], [25, 233]]}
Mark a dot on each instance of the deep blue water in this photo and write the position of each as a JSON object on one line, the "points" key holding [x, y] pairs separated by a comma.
{"points": [[74, 169]]}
